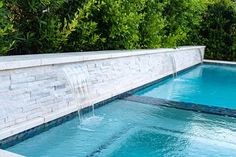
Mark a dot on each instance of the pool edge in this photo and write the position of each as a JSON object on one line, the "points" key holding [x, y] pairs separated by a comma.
{"points": [[219, 62]]}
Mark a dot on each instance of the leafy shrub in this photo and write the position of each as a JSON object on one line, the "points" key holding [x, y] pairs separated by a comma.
{"points": [[40, 28], [119, 24], [7, 31], [217, 30], [182, 16], [44, 26], [86, 35], [152, 26]]}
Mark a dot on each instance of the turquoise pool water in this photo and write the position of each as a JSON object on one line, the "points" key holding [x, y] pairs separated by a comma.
{"points": [[129, 129], [207, 84]]}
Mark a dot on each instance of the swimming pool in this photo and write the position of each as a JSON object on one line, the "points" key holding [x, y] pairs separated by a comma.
{"points": [[136, 130], [126, 128], [207, 84]]}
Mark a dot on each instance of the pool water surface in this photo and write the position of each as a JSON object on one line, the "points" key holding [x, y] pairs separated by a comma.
{"points": [[133, 129], [207, 84]]}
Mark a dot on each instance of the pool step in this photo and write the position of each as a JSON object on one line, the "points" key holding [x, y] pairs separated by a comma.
{"points": [[110, 141], [180, 133], [183, 105]]}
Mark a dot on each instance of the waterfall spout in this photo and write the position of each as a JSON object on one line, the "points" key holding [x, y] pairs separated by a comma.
{"points": [[173, 63], [200, 55], [77, 77]]}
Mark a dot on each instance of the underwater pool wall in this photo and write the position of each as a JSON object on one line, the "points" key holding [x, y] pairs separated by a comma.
{"points": [[37, 89]]}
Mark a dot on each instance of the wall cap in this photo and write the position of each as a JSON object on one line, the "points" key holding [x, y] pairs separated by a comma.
{"points": [[26, 61]]}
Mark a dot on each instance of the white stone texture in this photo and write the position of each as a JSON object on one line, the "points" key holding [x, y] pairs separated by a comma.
{"points": [[35, 90]]}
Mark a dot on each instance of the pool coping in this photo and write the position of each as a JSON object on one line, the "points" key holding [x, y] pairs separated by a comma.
{"points": [[219, 62], [27, 61], [4, 153]]}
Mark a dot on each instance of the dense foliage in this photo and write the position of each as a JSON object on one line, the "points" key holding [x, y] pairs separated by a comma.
{"points": [[218, 30], [7, 32], [43, 26]]}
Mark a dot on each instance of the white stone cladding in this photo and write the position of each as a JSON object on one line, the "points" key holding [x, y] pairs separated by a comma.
{"points": [[34, 89]]}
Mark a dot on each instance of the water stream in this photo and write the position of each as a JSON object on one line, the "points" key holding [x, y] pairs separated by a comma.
{"points": [[200, 55], [77, 77], [3, 113], [173, 63]]}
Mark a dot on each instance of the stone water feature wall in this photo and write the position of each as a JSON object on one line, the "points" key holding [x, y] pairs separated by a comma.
{"points": [[35, 89]]}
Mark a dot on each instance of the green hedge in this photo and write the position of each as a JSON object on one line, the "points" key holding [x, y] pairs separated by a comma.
{"points": [[47, 26], [7, 31], [218, 30]]}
